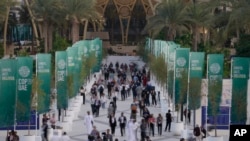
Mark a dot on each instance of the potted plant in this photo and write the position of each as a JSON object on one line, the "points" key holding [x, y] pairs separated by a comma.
{"points": [[194, 99], [181, 100], [214, 99], [37, 96]]}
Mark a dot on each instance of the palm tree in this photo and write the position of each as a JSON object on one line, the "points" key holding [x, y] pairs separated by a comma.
{"points": [[198, 18], [46, 12], [77, 11], [238, 16], [229, 20], [169, 16], [32, 19], [4, 16]]}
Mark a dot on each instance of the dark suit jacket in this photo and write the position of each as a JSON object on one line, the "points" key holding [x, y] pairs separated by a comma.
{"points": [[112, 123]]}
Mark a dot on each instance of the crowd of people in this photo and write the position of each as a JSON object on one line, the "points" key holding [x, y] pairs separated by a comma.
{"points": [[120, 81]]}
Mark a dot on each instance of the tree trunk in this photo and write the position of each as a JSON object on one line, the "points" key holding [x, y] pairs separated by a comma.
{"points": [[195, 38], [50, 37], [94, 25], [45, 36], [40, 28], [215, 126], [33, 23], [86, 22], [194, 118], [5, 30], [75, 31]]}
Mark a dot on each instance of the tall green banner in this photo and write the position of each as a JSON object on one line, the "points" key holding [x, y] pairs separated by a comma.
{"points": [[240, 76], [7, 92], [83, 53], [181, 75], [170, 62], [61, 79], [72, 60], [43, 72], [24, 88], [96, 47], [196, 68], [215, 77]]}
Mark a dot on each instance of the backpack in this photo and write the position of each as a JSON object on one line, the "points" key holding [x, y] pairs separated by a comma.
{"points": [[101, 89], [197, 131]]}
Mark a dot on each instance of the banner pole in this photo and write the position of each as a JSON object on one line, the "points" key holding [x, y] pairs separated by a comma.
{"points": [[15, 104], [206, 96], [188, 90], [36, 97], [174, 84], [229, 121]]}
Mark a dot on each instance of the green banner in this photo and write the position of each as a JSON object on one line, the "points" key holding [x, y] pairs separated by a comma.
{"points": [[196, 68], [83, 53], [170, 63], [215, 77], [43, 72], [240, 76], [7, 92], [72, 60], [24, 88], [61, 79], [96, 47], [181, 75]]}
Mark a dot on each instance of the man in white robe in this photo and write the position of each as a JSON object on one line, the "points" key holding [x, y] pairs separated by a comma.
{"points": [[88, 122], [132, 130]]}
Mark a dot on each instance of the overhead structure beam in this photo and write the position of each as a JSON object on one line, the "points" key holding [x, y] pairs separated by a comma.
{"points": [[101, 7], [149, 6], [124, 9]]}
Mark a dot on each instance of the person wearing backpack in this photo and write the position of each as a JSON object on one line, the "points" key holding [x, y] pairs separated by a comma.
{"points": [[168, 121], [197, 133]]}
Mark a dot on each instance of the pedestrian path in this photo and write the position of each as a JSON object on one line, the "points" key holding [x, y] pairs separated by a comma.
{"points": [[79, 132]]}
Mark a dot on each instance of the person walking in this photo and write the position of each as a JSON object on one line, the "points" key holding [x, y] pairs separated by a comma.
{"points": [[94, 134], [168, 121], [122, 120], [88, 122], [197, 133], [53, 121], [111, 109], [97, 106], [45, 131], [144, 128], [112, 124], [82, 91], [107, 136], [188, 115], [141, 106], [153, 98], [103, 100], [133, 108], [152, 124], [159, 124]]}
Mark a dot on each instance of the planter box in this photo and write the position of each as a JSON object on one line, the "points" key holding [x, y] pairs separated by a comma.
{"points": [[213, 138], [66, 126], [38, 138], [187, 133], [28, 138], [177, 128]]}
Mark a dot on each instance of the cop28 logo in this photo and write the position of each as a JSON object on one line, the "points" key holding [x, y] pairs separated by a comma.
{"points": [[85, 50], [215, 68], [61, 64], [181, 61], [24, 71], [97, 47]]}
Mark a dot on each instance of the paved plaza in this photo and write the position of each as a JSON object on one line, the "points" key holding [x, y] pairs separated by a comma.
{"points": [[79, 132]]}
